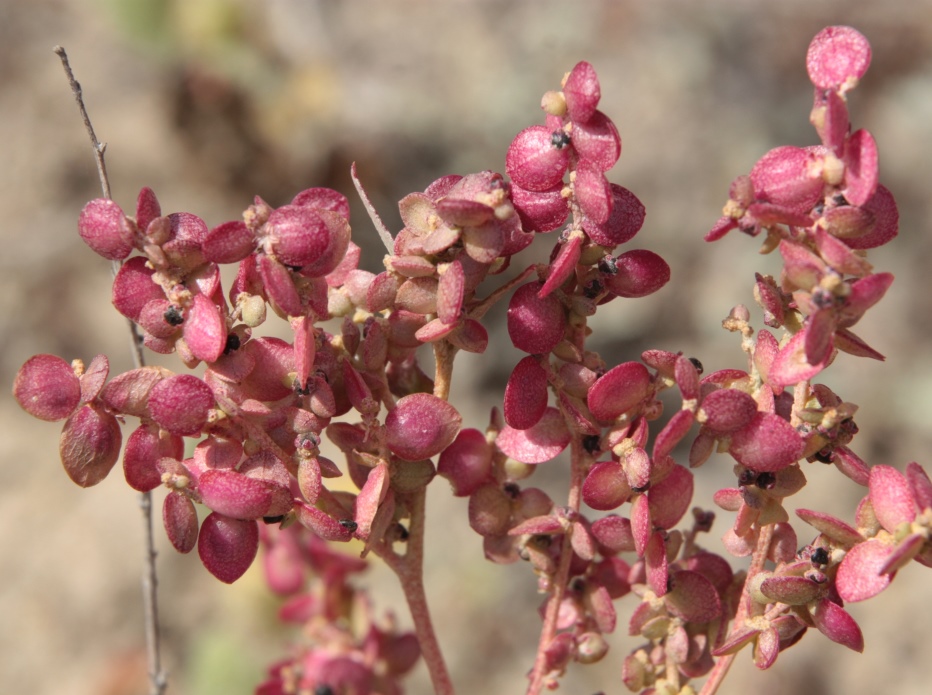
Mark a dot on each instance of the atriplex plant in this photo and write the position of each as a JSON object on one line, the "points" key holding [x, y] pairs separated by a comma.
{"points": [[256, 418]]}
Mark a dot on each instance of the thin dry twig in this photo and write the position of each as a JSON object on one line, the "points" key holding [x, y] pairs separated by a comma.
{"points": [[158, 681]]}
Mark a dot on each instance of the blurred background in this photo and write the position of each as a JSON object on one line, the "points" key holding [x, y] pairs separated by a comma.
{"points": [[210, 102]]}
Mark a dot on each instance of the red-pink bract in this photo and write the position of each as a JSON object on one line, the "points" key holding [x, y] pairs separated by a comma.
{"points": [[133, 287], [535, 324], [639, 273], [235, 495], [766, 444], [467, 462], [180, 520], [526, 394], [89, 445], [205, 330], [227, 546], [835, 623], [229, 242], [144, 447], [619, 390], [606, 486], [540, 211], [597, 141], [727, 410], [47, 388], [593, 192], [582, 92], [181, 403], [420, 426], [837, 58], [670, 498], [534, 162], [891, 497], [692, 598], [103, 226], [536, 444], [859, 577]]}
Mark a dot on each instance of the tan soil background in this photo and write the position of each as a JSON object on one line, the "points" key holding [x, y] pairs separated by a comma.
{"points": [[210, 102]]}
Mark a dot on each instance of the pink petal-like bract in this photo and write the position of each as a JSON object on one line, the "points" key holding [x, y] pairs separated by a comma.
{"points": [[692, 598], [540, 211], [89, 445], [859, 577], [638, 274], [619, 390], [205, 331], [133, 287], [467, 462], [535, 324], [624, 222], [783, 177], [593, 192], [836, 529], [727, 410], [181, 404], [891, 497], [614, 534], [837, 57], [792, 590], [147, 208], [229, 242], [670, 498], [920, 485], [103, 226], [144, 447], [227, 546], [420, 426], [672, 433], [597, 141], [606, 486], [563, 266], [536, 444], [791, 366], [537, 158], [324, 526], [655, 563], [180, 520], [450, 292], [235, 495], [835, 623], [526, 394], [582, 92], [861, 170], [882, 207], [767, 444], [46, 387]]}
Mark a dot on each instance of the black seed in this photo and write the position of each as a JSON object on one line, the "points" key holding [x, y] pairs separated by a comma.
{"points": [[173, 316], [826, 455], [348, 524], [639, 490], [819, 556], [592, 289], [559, 139], [765, 481], [840, 200], [608, 265], [232, 344], [512, 490], [697, 364], [747, 477], [273, 519], [592, 443], [323, 690], [293, 268]]}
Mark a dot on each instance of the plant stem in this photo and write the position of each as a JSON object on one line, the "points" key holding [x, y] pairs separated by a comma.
{"points": [[562, 575], [158, 681], [720, 670]]}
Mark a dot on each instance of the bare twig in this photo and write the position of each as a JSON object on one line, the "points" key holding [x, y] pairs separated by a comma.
{"points": [[157, 679], [384, 234]]}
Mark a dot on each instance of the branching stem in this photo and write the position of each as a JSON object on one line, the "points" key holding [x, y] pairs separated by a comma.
{"points": [[158, 681]]}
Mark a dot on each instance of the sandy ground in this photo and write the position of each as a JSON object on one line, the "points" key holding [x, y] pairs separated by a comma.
{"points": [[210, 102]]}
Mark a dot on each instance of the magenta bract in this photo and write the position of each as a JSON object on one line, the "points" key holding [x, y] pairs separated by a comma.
{"points": [[582, 92], [180, 520], [526, 394], [103, 226], [537, 159], [639, 273], [89, 445], [181, 404], [133, 287], [535, 324], [619, 390], [767, 443], [420, 426], [837, 58], [467, 462], [227, 546], [47, 388], [536, 444]]}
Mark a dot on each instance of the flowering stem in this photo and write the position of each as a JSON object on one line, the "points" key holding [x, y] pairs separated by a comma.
{"points": [[409, 569], [561, 576], [720, 670], [158, 681]]}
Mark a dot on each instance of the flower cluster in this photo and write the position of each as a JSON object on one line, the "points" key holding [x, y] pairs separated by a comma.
{"points": [[256, 418]]}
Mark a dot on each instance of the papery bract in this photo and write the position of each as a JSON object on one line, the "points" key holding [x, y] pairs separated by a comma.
{"points": [[46, 387], [420, 426], [227, 546]]}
